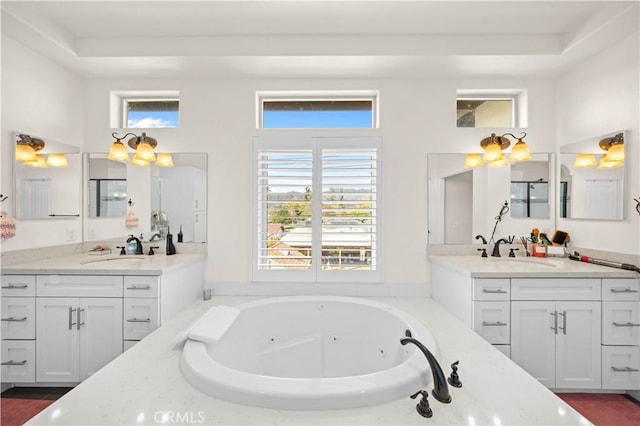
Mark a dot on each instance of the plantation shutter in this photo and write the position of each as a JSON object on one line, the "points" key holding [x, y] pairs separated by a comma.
{"points": [[316, 214], [285, 180], [349, 208]]}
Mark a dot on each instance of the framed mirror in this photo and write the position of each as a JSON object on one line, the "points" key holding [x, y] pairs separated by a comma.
{"points": [[591, 187], [46, 178], [162, 199], [464, 202]]}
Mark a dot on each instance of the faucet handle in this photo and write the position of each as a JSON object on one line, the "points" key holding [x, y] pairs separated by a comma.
{"points": [[151, 252], [511, 253], [454, 379], [484, 252], [122, 251], [423, 407]]}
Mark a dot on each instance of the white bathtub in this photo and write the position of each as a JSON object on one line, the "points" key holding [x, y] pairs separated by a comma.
{"points": [[311, 352]]}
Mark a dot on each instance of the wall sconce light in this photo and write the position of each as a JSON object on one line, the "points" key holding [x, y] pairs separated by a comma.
{"points": [[584, 161], [27, 151], [143, 146], [614, 147], [493, 147], [26, 148]]}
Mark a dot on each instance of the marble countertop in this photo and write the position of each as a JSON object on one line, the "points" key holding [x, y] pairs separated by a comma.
{"points": [[145, 386], [111, 264], [484, 267]]}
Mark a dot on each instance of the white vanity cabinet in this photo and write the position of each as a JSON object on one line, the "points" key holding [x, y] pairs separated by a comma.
{"points": [[621, 333], [492, 311], [18, 328], [557, 341], [78, 334], [141, 307]]}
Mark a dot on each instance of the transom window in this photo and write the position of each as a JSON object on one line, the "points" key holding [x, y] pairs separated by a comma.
{"points": [[317, 111], [316, 215], [491, 108], [145, 109]]}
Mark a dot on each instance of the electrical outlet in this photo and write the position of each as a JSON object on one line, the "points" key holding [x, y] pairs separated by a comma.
{"points": [[71, 234]]}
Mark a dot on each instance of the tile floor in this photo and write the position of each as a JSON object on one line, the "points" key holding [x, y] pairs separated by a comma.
{"points": [[20, 404]]}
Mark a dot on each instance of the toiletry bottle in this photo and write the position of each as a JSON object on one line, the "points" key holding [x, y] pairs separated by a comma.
{"points": [[180, 234], [171, 249]]}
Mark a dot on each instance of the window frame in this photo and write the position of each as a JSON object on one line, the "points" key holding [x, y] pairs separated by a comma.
{"points": [[315, 96], [513, 97], [315, 274], [125, 110], [120, 98]]}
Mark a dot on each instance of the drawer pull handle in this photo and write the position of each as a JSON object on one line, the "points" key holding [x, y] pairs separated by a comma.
{"points": [[139, 320], [625, 324], [625, 369], [554, 314], [12, 319], [498, 291], [564, 321], [12, 362], [13, 286], [623, 290], [135, 287], [494, 324]]}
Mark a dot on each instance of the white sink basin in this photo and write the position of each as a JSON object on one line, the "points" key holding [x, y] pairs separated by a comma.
{"points": [[115, 262], [529, 261]]}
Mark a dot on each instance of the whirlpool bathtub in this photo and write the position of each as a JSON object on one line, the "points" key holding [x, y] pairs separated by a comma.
{"points": [[311, 352]]}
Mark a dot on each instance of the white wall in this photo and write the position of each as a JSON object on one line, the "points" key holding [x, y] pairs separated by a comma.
{"points": [[596, 97], [416, 117], [42, 98]]}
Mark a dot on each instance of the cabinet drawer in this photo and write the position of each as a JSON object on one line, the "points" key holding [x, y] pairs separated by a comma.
{"points": [[491, 320], [140, 317], [620, 367], [79, 285], [620, 289], [141, 286], [18, 361], [18, 285], [18, 318], [556, 289], [491, 289], [620, 323]]}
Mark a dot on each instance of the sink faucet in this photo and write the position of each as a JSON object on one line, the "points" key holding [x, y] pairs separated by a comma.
{"points": [[156, 235], [496, 248], [138, 244], [440, 387]]}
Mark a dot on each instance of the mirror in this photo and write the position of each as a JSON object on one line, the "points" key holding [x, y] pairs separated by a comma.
{"points": [[530, 188], [464, 202], [151, 201], [591, 188], [107, 194], [46, 187]]}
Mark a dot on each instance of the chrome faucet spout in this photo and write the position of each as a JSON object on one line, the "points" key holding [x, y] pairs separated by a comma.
{"points": [[496, 247], [138, 244], [440, 387]]}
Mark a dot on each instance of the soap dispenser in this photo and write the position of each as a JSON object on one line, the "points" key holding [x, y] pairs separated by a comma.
{"points": [[171, 249], [180, 234]]}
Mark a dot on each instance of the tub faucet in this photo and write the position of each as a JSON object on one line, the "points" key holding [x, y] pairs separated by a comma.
{"points": [[138, 244], [440, 387], [496, 248]]}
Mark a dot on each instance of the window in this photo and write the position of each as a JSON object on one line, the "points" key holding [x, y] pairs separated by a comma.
{"points": [[151, 113], [316, 215], [145, 109], [317, 111], [491, 108]]}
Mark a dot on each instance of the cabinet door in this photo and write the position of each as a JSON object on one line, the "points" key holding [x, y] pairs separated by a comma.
{"points": [[200, 227], [99, 323], [57, 340], [533, 339], [620, 323], [578, 352], [491, 321]]}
